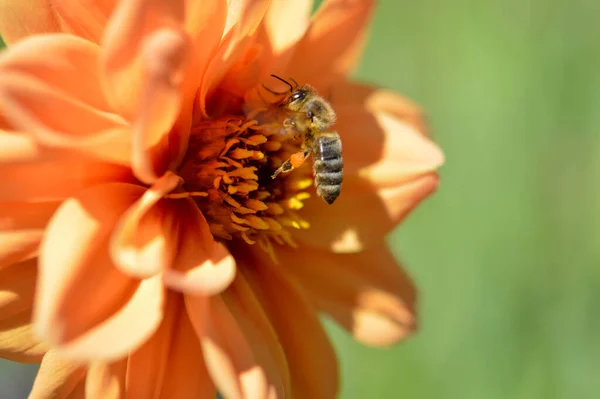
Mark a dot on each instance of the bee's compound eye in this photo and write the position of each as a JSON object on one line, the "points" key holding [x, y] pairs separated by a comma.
{"points": [[299, 95]]}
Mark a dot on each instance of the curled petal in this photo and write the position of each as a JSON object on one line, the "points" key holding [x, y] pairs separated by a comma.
{"points": [[164, 56], [334, 42], [310, 356], [85, 18], [74, 263], [174, 351], [56, 378], [233, 350], [366, 293], [130, 25], [141, 244]]}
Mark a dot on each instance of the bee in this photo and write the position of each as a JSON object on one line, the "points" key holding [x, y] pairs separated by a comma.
{"points": [[311, 116]]}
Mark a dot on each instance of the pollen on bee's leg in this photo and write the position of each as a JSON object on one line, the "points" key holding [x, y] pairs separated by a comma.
{"points": [[297, 159]]}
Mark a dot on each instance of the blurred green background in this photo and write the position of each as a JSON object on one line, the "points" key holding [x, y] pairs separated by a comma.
{"points": [[506, 253]]}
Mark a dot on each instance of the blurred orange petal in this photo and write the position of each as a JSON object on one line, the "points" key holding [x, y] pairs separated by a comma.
{"points": [[285, 23], [363, 214], [36, 93], [106, 380], [311, 358], [235, 358], [367, 293], [383, 148], [57, 378], [26, 215], [174, 351], [131, 24], [85, 18], [333, 44], [19, 245], [17, 286], [74, 261], [379, 100], [34, 173]]}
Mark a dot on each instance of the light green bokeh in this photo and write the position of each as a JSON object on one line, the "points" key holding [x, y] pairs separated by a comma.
{"points": [[505, 255]]}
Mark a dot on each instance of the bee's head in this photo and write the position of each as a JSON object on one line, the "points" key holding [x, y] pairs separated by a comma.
{"points": [[296, 100]]}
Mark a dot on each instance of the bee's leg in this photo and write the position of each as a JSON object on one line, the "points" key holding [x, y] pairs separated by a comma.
{"points": [[295, 161]]}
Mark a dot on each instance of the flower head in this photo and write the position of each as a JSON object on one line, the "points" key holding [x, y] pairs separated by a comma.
{"points": [[136, 169]]}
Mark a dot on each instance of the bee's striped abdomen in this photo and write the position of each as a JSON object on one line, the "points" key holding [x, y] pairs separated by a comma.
{"points": [[328, 166]]}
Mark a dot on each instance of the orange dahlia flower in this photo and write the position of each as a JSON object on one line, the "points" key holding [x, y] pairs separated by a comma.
{"points": [[145, 251]]}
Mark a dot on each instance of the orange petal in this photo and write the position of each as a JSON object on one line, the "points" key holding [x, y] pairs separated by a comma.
{"points": [[311, 358], [243, 19], [382, 148], [123, 59], [85, 18], [204, 23], [19, 245], [285, 23], [234, 350], [41, 176], [198, 270], [141, 244], [367, 293], [44, 78], [178, 369], [19, 19], [334, 42], [164, 57], [26, 215], [74, 262], [247, 310], [106, 380], [362, 215], [375, 99], [17, 288], [186, 376], [57, 378], [18, 341]]}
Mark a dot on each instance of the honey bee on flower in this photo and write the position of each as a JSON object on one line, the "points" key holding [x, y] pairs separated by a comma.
{"points": [[304, 112]]}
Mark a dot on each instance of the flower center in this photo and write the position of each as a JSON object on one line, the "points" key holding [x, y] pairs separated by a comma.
{"points": [[228, 171]]}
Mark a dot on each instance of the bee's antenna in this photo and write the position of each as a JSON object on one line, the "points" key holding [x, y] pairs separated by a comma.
{"points": [[295, 83], [277, 93], [285, 81]]}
